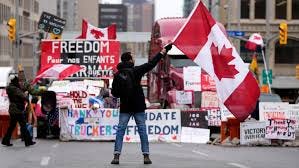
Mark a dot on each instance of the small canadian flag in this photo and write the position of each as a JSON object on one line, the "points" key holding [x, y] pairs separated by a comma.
{"points": [[91, 32]]}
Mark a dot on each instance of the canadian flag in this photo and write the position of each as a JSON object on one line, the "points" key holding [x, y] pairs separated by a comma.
{"points": [[91, 32], [254, 40], [202, 40]]}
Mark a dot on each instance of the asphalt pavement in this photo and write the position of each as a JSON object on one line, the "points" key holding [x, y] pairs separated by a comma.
{"points": [[57, 154]]}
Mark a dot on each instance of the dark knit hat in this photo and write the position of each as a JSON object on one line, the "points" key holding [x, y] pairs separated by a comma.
{"points": [[125, 57]]}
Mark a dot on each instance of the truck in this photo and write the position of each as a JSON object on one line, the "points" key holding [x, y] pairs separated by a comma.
{"points": [[167, 76]]}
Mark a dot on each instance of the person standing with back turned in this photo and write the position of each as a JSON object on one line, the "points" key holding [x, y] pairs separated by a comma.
{"points": [[126, 86]]}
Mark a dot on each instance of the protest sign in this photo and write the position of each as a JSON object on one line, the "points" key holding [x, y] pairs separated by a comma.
{"points": [[268, 110], [195, 119], [225, 113], [209, 100], [184, 97], [253, 133], [98, 58], [294, 114], [192, 78], [195, 135], [281, 129], [51, 23], [207, 83], [88, 124], [162, 125], [214, 117], [101, 124]]}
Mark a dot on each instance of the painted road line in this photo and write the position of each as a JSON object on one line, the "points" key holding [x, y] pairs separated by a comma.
{"points": [[200, 153], [45, 161], [237, 165], [177, 145]]}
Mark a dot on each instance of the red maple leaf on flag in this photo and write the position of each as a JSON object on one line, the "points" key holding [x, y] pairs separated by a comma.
{"points": [[96, 33], [220, 62]]}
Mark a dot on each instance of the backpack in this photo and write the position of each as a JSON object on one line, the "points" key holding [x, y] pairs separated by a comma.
{"points": [[124, 84]]}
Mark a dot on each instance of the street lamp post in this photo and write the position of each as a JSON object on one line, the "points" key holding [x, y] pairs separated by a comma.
{"points": [[268, 38], [16, 62]]}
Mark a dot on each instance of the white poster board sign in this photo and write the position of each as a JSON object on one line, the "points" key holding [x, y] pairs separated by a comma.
{"points": [[192, 78], [162, 125], [214, 117], [101, 124], [225, 113], [209, 99], [195, 135], [268, 110], [281, 129], [253, 132], [86, 124], [184, 97], [294, 113]]}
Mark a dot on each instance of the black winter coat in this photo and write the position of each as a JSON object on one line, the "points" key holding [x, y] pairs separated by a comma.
{"points": [[17, 99], [137, 102]]}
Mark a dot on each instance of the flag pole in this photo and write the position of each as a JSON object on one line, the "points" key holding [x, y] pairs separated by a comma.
{"points": [[266, 69]]}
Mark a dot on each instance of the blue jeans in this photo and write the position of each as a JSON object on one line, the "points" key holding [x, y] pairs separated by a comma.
{"points": [[122, 125]]}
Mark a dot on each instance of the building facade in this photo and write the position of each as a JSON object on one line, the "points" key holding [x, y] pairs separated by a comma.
{"points": [[113, 13], [140, 15], [264, 17], [28, 16], [76, 10]]}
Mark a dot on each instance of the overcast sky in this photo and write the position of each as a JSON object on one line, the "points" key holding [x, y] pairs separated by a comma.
{"points": [[163, 8]]}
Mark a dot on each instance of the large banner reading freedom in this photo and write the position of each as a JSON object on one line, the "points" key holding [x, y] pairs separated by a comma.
{"points": [[101, 124], [97, 57]]}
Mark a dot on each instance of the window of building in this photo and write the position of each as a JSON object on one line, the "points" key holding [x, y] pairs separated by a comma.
{"points": [[280, 9], [260, 9], [4, 13], [26, 22], [110, 10], [27, 50], [287, 54], [59, 8], [65, 3], [27, 6], [36, 7], [5, 46], [245, 4], [110, 17], [295, 9]]}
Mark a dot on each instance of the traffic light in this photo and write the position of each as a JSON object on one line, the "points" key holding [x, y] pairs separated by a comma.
{"points": [[283, 33], [12, 29], [55, 36]]}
